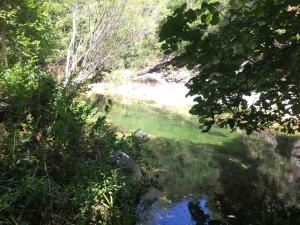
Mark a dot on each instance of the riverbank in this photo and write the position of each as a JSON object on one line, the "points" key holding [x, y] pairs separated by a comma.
{"points": [[162, 89]]}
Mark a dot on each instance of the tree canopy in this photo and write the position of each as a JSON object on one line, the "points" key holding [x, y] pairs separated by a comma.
{"points": [[247, 55], [25, 31]]}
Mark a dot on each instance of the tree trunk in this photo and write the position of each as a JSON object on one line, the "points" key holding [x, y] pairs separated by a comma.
{"points": [[3, 51]]}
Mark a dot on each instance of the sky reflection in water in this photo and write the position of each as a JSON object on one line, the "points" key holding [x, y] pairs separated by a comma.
{"points": [[177, 214]]}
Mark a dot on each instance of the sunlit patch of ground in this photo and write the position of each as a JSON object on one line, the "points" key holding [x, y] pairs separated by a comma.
{"points": [[172, 95], [162, 94]]}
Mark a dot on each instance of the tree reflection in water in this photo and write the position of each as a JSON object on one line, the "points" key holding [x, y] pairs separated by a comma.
{"points": [[199, 216], [251, 194]]}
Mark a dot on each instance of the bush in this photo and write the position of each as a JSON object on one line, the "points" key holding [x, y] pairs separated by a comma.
{"points": [[25, 32], [56, 156]]}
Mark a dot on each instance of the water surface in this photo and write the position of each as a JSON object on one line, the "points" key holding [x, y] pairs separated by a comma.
{"points": [[237, 179]]}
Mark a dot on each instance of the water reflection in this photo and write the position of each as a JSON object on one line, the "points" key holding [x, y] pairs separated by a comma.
{"points": [[200, 215], [245, 180], [251, 193], [186, 212], [181, 214]]}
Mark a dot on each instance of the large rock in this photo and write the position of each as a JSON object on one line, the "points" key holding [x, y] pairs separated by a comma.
{"points": [[197, 213], [269, 137], [142, 134], [295, 155], [150, 78], [293, 170], [178, 75], [125, 163]]}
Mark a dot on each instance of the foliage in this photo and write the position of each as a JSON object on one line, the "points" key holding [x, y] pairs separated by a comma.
{"points": [[56, 150], [24, 31], [60, 17], [147, 49], [130, 40], [99, 34], [247, 55], [56, 163]]}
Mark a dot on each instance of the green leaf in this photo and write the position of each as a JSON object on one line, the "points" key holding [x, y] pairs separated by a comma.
{"points": [[205, 18], [215, 4], [164, 46]]}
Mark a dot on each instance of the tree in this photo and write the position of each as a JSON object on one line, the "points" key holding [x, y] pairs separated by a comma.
{"points": [[24, 32], [102, 31], [248, 57]]}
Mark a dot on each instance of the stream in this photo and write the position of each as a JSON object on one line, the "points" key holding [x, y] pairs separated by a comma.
{"points": [[213, 178]]}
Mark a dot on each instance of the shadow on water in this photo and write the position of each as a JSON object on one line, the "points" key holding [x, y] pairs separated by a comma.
{"points": [[185, 168], [249, 193], [241, 180]]}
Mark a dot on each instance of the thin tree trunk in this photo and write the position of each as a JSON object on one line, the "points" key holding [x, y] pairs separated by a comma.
{"points": [[3, 51], [69, 65]]}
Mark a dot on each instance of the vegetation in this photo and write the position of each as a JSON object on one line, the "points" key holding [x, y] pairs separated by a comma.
{"points": [[243, 50], [105, 34], [56, 150], [24, 32], [56, 167], [60, 157]]}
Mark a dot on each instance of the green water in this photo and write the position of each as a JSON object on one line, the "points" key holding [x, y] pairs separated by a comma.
{"points": [[243, 179], [166, 125], [184, 153]]}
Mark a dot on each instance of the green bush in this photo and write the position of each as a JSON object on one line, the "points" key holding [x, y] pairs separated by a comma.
{"points": [[25, 32], [56, 155]]}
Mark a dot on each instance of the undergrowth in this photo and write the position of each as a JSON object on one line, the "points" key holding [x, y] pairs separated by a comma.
{"points": [[56, 164]]}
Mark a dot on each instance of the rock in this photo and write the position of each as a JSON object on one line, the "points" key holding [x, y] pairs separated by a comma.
{"points": [[179, 75], [148, 206], [150, 197], [165, 71], [269, 137], [4, 108], [293, 173], [150, 78], [295, 154], [159, 65], [122, 161], [142, 134]]}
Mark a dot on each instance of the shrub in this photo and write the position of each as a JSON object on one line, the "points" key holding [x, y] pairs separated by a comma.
{"points": [[55, 159]]}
